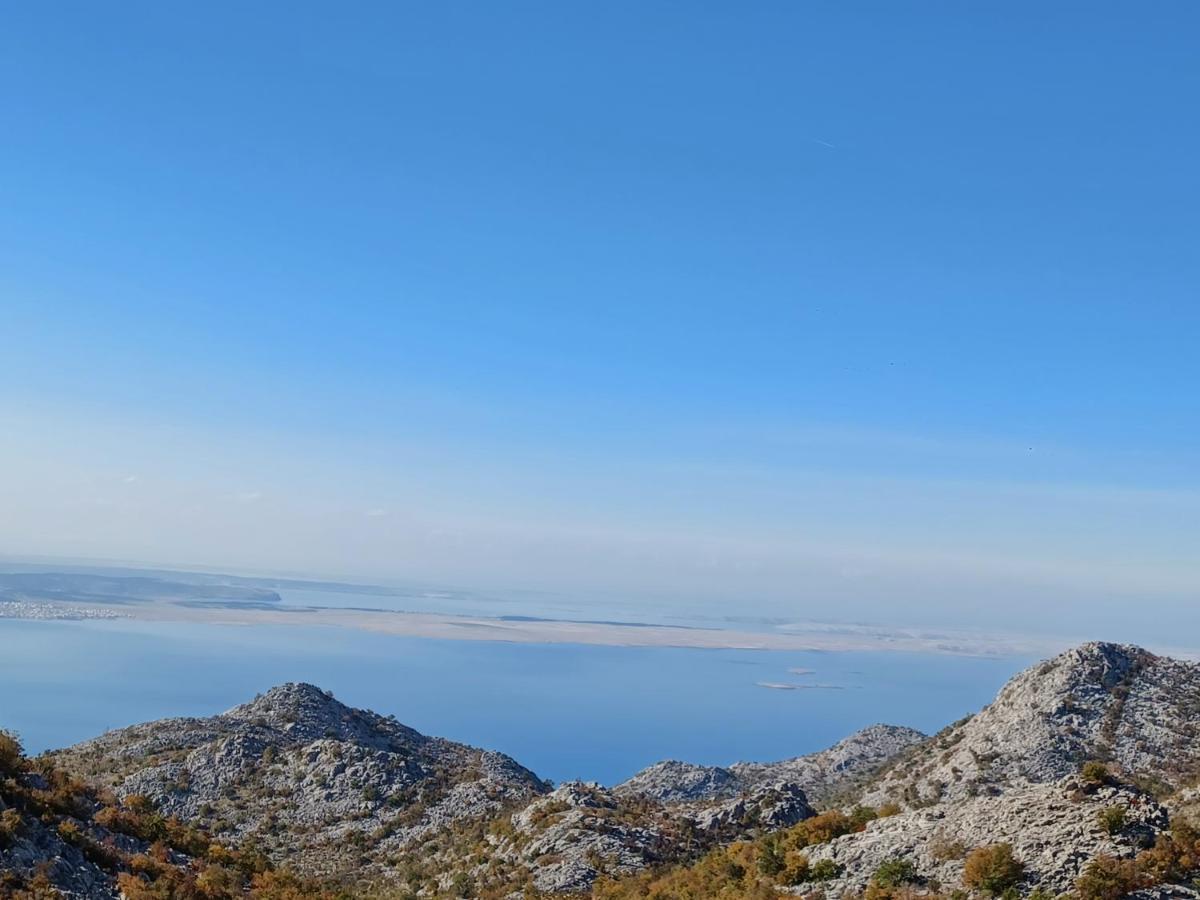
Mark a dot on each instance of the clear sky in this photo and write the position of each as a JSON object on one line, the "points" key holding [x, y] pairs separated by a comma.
{"points": [[848, 309]]}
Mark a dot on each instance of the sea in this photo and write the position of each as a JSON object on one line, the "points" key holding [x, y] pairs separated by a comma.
{"points": [[567, 711]]}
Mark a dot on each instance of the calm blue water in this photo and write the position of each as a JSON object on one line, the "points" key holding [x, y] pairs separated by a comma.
{"points": [[566, 711]]}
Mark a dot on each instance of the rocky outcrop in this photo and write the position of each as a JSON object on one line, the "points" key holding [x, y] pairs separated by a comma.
{"points": [[61, 837], [318, 785], [763, 808], [822, 775], [674, 781], [581, 831], [1109, 702], [30, 849], [568, 838], [1055, 829]]}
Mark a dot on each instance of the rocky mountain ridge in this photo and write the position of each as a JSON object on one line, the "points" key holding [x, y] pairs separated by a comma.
{"points": [[310, 780], [359, 801], [822, 775], [1100, 701]]}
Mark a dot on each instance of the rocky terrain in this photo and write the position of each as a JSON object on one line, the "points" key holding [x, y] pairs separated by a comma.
{"points": [[823, 776], [1110, 702], [346, 795], [32, 848], [1055, 829], [583, 831], [1077, 778], [60, 837], [324, 787]]}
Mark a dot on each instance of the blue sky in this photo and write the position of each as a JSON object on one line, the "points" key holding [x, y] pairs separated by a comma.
{"points": [[702, 300]]}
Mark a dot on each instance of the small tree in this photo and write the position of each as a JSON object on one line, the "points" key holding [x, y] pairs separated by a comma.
{"points": [[992, 869]]}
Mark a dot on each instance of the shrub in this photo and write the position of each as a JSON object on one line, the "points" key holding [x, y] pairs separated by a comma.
{"points": [[796, 871], [1094, 773], [771, 859], [894, 872], [1108, 878], [11, 754], [992, 869], [826, 827], [944, 848], [824, 870], [1175, 857], [861, 815], [1111, 819], [10, 826]]}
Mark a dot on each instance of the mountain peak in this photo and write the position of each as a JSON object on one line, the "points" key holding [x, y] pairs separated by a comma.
{"points": [[1104, 662], [1100, 700], [305, 712], [290, 696]]}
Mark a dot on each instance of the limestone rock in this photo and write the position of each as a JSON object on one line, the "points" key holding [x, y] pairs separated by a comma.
{"points": [[822, 775]]}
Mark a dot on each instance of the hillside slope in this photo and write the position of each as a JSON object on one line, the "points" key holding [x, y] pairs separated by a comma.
{"points": [[822, 776], [1111, 702], [332, 790], [60, 837]]}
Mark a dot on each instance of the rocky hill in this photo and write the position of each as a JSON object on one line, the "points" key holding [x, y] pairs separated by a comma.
{"points": [[329, 789], [60, 837], [1077, 778], [823, 776], [1054, 829], [353, 797], [1111, 702]]}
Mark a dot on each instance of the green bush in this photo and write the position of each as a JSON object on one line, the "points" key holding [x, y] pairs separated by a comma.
{"points": [[1111, 819], [824, 870], [894, 872]]}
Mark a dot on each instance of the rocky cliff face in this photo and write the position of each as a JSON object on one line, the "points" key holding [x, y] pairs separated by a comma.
{"points": [[1110, 702], [822, 775], [326, 788]]}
